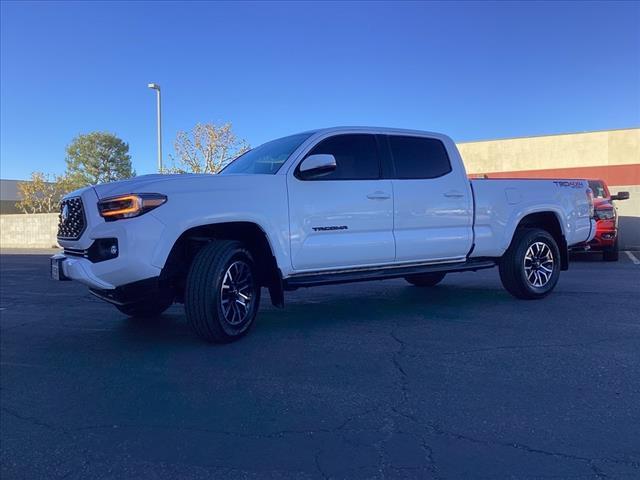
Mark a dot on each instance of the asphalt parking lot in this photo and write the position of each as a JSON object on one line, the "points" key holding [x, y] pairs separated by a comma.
{"points": [[370, 380]]}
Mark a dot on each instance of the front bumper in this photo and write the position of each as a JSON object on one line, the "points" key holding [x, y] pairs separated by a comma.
{"points": [[136, 240], [603, 240], [79, 269], [68, 268]]}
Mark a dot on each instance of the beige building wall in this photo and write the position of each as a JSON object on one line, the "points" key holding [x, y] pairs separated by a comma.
{"points": [[575, 150]]}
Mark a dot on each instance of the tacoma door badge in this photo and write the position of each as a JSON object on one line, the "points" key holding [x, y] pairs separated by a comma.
{"points": [[330, 228]]}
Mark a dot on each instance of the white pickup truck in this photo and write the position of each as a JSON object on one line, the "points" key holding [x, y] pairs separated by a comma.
{"points": [[322, 207]]}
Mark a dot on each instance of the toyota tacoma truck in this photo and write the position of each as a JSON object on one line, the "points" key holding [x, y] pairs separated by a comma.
{"points": [[321, 207], [606, 215]]}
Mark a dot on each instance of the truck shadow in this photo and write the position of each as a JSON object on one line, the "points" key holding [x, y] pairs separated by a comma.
{"points": [[326, 307], [591, 256], [396, 305]]}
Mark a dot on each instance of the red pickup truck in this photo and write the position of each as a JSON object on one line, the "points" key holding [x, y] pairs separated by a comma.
{"points": [[606, 239]]}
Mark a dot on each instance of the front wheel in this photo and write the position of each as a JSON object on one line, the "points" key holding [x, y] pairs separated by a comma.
{"points": [[530, 268], [222, 292]]}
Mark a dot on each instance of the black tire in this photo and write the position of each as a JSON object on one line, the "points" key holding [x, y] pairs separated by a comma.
{"points": [[519, 275], [147, 308], [204, 298], [425, 279], [611, 254]]}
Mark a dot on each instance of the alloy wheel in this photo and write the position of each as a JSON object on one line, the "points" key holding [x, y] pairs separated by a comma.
{"points": [[538, 264], [237, 292]]}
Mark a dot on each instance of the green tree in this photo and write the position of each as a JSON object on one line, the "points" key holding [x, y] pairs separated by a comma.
{"points": [[207, 148], [42, 193], [97, 157]]}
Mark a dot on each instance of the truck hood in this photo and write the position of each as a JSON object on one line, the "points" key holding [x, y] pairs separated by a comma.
{"points": [[155, 183], [602, 203]]}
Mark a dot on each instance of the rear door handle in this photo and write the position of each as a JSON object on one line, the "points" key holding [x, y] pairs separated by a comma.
{"points": [[378, 196], [453, 194]]}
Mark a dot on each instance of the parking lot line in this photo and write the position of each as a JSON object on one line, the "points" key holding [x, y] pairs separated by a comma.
{"points": [[632, 257]]}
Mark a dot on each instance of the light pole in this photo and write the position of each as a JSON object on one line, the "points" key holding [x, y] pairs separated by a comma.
{"points": [[156, 87]]}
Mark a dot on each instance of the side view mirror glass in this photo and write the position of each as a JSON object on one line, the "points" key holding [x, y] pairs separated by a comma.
{"points": [[317, 165], [620, 196]]}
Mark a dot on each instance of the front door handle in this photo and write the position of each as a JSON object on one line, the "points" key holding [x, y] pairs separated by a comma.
{"points": [[453, 194], [378, 196]]}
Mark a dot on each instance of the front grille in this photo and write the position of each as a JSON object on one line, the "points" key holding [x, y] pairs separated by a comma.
{"points": [[72, 222], [76, 252]]}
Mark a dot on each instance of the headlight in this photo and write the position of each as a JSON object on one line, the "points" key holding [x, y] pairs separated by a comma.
{"points": [[605, 214], [128, 206]]}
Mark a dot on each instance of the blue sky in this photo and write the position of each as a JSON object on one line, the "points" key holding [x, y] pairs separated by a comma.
{"points": [[471, 70]]}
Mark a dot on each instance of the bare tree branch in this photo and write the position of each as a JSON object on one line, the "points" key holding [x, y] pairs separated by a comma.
{"points": [[207, 148]]}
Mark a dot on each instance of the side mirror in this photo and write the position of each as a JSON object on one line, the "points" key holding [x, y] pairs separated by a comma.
{"points": [[620, 196], [317, 165]]}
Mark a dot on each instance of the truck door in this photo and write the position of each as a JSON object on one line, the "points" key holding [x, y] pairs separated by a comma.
{"points": [[433, 200], [344, 218]]}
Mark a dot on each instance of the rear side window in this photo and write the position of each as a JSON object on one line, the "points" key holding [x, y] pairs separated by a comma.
{"points": [[356, 157], [418, 157]]}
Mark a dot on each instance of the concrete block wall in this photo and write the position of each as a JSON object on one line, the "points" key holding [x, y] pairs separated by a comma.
{"points": [[36, 230]]}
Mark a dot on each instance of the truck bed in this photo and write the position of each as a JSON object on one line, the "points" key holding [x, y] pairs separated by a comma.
{"points": [[499, 202]]}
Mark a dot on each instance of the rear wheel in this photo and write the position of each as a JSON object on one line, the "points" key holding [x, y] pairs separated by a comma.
{"points": [[530, 268], [425, 279], [611, 254], [147, 308], [222, 292]]}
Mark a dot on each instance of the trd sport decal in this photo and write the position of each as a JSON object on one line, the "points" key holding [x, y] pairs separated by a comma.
{"points": [[569, 183], [332, 227]]}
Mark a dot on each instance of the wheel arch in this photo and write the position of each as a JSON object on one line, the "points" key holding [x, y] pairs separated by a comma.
{"points": [[549, 221], [252, 235]]}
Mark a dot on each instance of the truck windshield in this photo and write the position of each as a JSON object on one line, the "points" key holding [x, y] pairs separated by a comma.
{"points": [[598, 189], [268, 157]]}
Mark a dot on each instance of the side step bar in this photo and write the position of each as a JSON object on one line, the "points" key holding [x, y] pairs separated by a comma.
{"points": [[360, 275]]}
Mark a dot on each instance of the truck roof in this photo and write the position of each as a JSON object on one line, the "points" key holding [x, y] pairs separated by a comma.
{"points": [[381, 130]]}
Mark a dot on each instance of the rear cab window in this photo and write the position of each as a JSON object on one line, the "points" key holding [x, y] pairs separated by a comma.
{"points": [[418, 157]]}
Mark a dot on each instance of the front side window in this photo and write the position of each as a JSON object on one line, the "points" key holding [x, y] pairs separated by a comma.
{"points": [[419, 157], [356, 157], [268, 157]]}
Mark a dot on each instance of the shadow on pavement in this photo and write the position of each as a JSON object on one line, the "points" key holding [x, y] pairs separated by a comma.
{"points": [[326, 308], [591, 256]]}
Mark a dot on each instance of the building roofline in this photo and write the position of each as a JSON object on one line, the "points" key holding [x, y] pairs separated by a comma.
{"points": [[548, 135]]}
